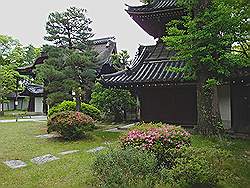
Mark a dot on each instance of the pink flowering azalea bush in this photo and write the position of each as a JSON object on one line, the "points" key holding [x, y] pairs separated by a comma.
{"points": [[71, 125], [161, 139]]}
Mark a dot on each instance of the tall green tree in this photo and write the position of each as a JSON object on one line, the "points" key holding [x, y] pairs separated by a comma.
{"points": [[13, 55], [8, 79], [113, 102], [205, 40], [70, 29], [64, 72], [71, 61]]}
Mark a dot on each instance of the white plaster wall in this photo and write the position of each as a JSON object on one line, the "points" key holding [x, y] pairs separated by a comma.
{"points": [[225, 105], [38, 104], [22, 104], [9, 105], [4, 107]]}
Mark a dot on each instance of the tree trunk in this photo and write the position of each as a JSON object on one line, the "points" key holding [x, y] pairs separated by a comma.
{"points": [[78, 102], [124, 115], [87, 95], [118, 115], [2, 109], [209, 119]]}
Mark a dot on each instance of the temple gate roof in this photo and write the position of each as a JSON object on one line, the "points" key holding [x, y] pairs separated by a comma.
{"points": [[153, 17], [152, 66]]}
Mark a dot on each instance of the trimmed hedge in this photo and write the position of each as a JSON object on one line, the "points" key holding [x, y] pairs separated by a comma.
{"points": [[71, 106]]}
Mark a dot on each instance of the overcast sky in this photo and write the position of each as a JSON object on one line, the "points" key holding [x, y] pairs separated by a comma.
{"points": [[25, 20]]}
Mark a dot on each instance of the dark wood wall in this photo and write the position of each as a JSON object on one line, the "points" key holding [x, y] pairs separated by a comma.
{"points": [[169, 104], [240, 99], [31, 107]]}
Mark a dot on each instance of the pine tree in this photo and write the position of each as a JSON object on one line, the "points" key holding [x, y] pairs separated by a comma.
{"points": [[70, 67]]}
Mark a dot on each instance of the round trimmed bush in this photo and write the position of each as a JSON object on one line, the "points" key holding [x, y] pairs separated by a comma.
{"points": [[158, 138], [71, 106], [71, 125]]}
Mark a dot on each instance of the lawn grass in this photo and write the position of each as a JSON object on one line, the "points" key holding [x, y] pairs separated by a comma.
{"points": [[18, 141]]}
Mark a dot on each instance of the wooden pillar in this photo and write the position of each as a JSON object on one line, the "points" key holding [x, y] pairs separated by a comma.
{"points": [[138, 108]]}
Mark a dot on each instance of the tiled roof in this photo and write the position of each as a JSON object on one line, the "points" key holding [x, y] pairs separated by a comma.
{"points": [[32, 89], [151, 66], [153, 17], [154, 6], [102, 40], [104, 48], [28, 68], [35, 89]]}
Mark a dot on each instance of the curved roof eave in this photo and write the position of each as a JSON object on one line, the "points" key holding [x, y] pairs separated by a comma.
{"points": [[156, 5], [134, 67]]}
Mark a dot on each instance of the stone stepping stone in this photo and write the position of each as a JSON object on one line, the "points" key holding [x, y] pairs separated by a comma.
{"points": [[47, 136], [68, 152], [15, 164], [44, 159], [114, 130], [96, 149], [125, 127]]}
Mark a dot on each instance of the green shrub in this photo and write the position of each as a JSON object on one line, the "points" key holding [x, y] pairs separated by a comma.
{"points": [[71, 106], [131, 167], [91, 110], [158, 138], [196, 167], [125, 168], [71, 125], [64, 106], [114, 103]]}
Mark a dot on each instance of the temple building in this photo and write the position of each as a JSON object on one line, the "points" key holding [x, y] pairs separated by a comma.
{"points": [[163, 95], [32, 98]]}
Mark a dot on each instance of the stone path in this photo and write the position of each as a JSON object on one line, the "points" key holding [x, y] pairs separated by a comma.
{"points": [[33, 118], [68, 152], [44, 159], [114, 130], [121, 129], [48, 157], [126, 126], [39, 160], [47, 136], [96, 149], [15, 164]]}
